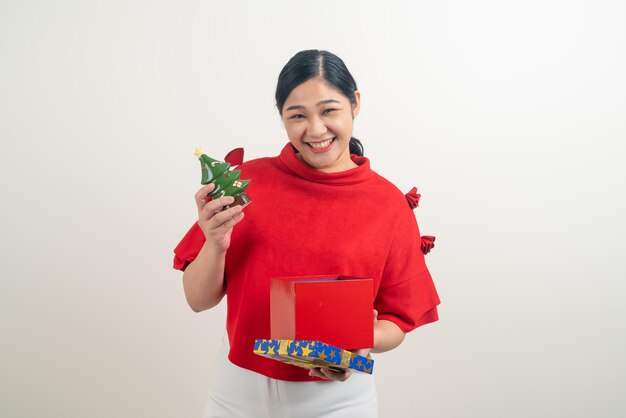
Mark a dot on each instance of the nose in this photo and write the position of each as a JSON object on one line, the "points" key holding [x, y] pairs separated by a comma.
{"points": [[316, 128]]}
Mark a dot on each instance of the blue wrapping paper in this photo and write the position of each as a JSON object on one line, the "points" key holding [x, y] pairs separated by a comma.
{"points": [[309, 354]]}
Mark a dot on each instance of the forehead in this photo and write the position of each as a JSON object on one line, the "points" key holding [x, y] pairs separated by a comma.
{"points": [[312, 91]]}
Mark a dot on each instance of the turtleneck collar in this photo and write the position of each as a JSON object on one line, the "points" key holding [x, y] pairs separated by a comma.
{"points": [[354, 175]]}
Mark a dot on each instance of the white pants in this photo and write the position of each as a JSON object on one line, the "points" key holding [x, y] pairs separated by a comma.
{"points": [[238, 392]]}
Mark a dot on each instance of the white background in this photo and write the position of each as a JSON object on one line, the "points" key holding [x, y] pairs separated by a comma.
{"points": [[508, 116]]}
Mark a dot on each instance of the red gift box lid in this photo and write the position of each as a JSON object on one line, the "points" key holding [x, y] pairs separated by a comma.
{"points": [[334, 309]]}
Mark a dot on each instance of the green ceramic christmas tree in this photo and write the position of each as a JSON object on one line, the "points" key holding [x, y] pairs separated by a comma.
{"points": [[227, 182]]}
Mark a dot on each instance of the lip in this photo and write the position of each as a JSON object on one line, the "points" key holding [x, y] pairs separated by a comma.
{"points": [[319, 150]]}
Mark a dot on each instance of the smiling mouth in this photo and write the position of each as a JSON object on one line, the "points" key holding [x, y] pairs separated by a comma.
{"points": [[321, 145]]}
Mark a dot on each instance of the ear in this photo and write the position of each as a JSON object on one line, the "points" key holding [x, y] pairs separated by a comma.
{"points": [[356, 107]]}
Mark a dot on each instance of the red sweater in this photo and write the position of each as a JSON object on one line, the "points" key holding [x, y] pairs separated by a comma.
{"points": [[302, 221]]}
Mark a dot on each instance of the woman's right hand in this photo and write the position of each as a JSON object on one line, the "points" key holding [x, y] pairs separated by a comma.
{"points": [[217, 224]]}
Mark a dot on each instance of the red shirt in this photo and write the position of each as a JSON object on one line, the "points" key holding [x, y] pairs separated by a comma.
{"points": [[304, 222]]}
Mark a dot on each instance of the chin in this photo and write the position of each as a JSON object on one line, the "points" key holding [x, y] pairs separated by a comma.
{"points": [[319, 164], [327, 163]]}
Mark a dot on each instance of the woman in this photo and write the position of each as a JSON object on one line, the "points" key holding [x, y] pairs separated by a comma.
{"points": [[317, 209]]}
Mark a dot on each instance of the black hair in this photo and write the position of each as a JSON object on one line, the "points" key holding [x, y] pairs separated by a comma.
{"points": [[315, 63]]}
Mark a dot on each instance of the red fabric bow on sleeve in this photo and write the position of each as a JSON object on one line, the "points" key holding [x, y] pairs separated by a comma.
{"points": [[413, 198], [428, 243]]}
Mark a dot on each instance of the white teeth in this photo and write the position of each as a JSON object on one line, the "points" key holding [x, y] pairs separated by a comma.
{"points": [[320, 145]]}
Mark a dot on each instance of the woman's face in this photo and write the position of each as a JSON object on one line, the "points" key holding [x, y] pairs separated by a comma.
{"points": [[318, 120]]}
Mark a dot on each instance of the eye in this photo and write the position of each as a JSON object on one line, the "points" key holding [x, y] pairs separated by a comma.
{"points": [[298, 116], [327, 111]]}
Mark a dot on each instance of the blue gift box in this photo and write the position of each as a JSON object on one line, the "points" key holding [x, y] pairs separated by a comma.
{"points": [[309, 354]]}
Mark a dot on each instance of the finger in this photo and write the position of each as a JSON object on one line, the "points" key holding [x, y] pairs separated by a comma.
{"points": [[201, 195], [375, 316], [335, 375], [215, 206], [339, 376], [204, 190], [229, 224], [224, 217], [315, 372]]}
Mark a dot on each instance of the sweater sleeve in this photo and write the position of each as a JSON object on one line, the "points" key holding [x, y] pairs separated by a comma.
{"points": [[407, 294], [188, 248]]}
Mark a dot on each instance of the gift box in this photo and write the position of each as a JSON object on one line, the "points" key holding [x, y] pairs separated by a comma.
{"points": [[337, 310], [310, 354]]}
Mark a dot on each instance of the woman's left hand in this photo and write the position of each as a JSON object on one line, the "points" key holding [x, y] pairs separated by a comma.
{"points": [[330, 374]]}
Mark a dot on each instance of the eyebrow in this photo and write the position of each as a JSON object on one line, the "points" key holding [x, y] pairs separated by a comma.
{"points": [[294, 107]]}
